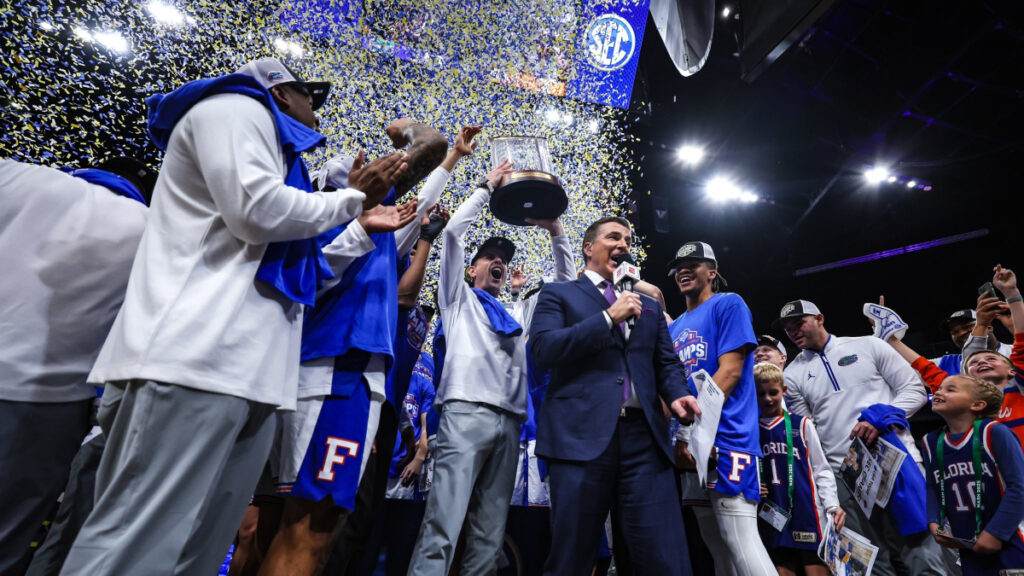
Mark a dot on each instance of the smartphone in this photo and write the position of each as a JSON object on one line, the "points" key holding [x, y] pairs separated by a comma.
{"points": [[987, 290]]}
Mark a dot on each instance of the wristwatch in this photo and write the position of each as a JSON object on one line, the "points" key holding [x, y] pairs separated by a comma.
{"points": [[486, 184]]}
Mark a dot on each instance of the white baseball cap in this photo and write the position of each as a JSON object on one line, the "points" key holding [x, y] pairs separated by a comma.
{"points": [[270, 72]]}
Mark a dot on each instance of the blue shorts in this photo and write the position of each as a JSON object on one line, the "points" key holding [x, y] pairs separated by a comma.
{"points": [[333, 435], [735, 475]]}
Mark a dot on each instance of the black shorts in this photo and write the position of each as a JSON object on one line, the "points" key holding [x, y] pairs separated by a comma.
{"points": [[794, 558]]}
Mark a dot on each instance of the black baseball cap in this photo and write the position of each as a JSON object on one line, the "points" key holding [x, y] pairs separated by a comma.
{"points": [[958, 317], [497, 242], [795, 309], [694, 250], [767, 340]]}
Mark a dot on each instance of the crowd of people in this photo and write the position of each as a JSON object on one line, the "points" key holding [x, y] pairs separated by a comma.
{"points": [[223, 365]]}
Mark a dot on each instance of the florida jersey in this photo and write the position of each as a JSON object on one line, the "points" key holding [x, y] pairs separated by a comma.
{"points": [[804, 528], [1002, 512]]}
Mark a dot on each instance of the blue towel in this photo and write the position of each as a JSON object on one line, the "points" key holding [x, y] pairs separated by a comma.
{"points": [[502, 322], [113, 182], [296, 268], [907, 503]]}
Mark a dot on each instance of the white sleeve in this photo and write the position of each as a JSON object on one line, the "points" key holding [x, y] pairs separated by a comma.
{"points": [[795, 401], [972, 345], [239, 156], [900, 376], [824, 480], [565, 266], [453, 251], [430, 192], [522, 311], [352, 243]]}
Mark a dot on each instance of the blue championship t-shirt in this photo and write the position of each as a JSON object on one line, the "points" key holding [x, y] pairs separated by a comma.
{"points": [[419, 399], [721, 325]]}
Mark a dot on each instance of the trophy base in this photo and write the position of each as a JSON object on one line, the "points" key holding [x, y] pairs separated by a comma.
{"points": [[528, 194]]}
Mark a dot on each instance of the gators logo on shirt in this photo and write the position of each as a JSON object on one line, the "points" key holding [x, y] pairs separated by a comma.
{"points": [[691, 348], [847, 360]]}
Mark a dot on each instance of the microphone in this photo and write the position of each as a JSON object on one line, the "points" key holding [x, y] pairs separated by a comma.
{"points": [[625, 275]]}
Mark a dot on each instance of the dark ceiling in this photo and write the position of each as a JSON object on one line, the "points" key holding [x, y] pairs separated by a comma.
{"points": [[932, 89]]}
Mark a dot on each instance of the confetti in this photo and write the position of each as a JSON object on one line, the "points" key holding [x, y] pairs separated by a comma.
{"points": [[75, 76]]}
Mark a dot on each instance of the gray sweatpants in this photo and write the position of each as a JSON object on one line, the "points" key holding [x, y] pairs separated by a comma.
{"points": [[178, 470], [38, 441], [474, 474]]}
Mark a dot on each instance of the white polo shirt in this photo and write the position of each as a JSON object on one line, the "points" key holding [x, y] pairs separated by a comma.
{"points": [[66, 249], [194, 314], [833, 387]]}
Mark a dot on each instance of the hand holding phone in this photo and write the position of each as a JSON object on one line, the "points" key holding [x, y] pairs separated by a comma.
{"points": [[987, 290]]}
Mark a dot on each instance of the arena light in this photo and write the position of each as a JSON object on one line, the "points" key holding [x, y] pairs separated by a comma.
{"points": [[691, 155], [166, 14], [726, 11], [553, 116], [46, 26], [82, 34], [112, 39], [912, 184], [893, 252], [876, 175], [720, 189], [891, 179], [593, 126], [288, 48]]}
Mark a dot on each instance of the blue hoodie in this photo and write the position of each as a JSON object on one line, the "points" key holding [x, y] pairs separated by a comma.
{"points": [[296, 268]]}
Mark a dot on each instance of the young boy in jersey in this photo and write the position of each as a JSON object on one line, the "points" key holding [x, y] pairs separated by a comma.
{"points": [[975, 479], [797, 480], [716, 334]]}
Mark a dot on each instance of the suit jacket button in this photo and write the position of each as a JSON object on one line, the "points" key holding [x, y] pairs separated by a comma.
{"points": [[620, 381]]}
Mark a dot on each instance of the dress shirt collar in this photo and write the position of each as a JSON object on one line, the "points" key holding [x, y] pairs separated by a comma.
{"points": [[596, 278]]}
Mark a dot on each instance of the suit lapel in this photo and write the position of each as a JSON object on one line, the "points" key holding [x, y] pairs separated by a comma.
{"points": [[588, 288]]}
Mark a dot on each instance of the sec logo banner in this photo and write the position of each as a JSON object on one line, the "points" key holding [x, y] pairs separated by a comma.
{"points": [[610, 42]]}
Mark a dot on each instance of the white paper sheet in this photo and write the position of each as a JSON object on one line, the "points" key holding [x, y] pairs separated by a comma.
{"points": [[846, 553], [705, 427]]}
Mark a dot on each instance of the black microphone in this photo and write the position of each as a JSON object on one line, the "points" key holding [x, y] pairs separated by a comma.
{"points": [[625, 275]]}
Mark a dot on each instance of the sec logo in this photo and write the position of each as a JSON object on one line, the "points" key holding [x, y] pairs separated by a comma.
{"points": [[610, 42]]}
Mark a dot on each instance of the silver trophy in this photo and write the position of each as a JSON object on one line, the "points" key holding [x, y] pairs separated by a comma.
{"points": [[531, 190]]}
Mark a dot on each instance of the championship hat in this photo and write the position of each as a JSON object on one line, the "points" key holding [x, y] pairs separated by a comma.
{"points": [[958, 317], [270, 72], [694, 250], [796, 309]]}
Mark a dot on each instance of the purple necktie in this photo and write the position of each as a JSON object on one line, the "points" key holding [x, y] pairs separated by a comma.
{"points": [[609, 295]]}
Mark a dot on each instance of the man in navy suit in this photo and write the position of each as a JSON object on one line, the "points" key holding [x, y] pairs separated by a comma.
{"points": [[602, 427]]}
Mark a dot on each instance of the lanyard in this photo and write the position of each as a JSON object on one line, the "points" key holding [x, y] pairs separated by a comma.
{"points": [[978, 479], [789, 458]]}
